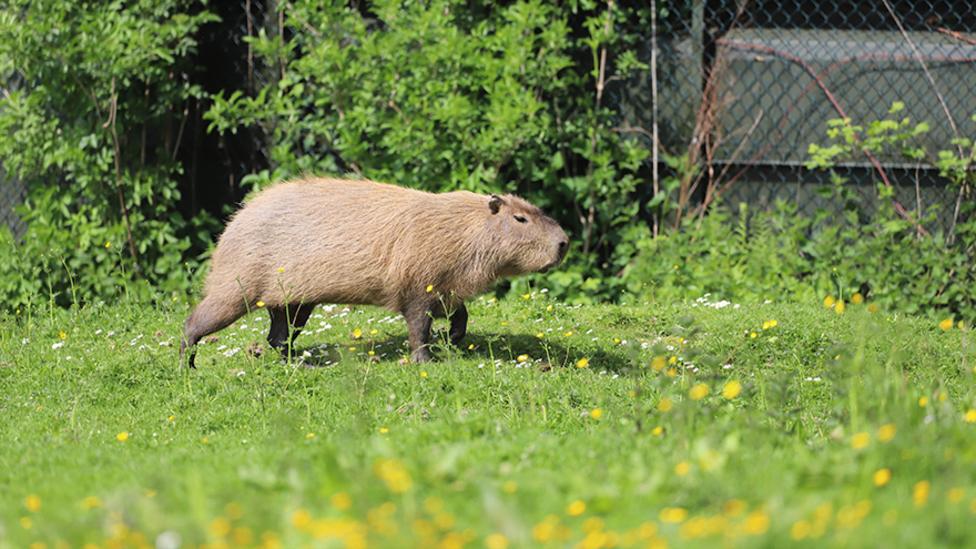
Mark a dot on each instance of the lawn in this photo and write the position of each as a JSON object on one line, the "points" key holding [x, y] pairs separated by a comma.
{"points": [[600, 426]]}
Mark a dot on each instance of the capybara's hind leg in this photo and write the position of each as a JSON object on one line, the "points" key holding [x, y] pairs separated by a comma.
{"points": [[283, 321], [459, 324], [209, 316]]}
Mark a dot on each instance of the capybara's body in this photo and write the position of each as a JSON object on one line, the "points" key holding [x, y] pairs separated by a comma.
{"points": [[302, 243]]}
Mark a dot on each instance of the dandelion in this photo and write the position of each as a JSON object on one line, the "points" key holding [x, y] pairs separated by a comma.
{"points": [[769, 324], [122, 437], [220, 527], [470, 346], [658, 363], [886, 432], [658, 431], [946, 324], [970, 416], [673, 515], [800, 530], [583, 362], [665, 405], [839, 307], [540, 335], [423, 374], [673, 360], [26, 523], [62, 335], [860, 440], [671, 372], [527, 296], [568, 333], [682, 468], [576, 508], [281, 270], [549, 308], [301, 519], [698, 392], [341, 501], [753, 335], [91, 502], [429, 288], [731, 389], [756, 523], [32, 503], [873, 308], [920, 492], [596, 413], [357, 333], [857, 298], [496, 541], [510, 487], [522, 359], [384, 430], [829, 302], [393, 474], [309, 436], [617, 341], [882, 476], [107, 244], [923, 401], [259, 304]]}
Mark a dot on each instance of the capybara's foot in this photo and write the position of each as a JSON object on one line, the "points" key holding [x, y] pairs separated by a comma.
{"points": [[420, 355]]}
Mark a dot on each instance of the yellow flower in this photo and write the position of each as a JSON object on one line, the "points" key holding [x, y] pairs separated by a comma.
{"points": [[673, 360], [658, 363], [769, 324], [384, 430], [860, 440], [91, 502], [582, 363], [527, 296], [522, 358], [857, 298], [732, 389], [596, 413], [568, 333], [657, 431], [839, 307], [886, 432], [540, 335], [682, 468], [616, 341], [970, 416], [496, 541], [873, 308], [923, 401], [108, 244], [946, 324], [62, 335], [665, 405], [671, 372], [122, 437], [357, 333], [549, 308], [576, 508], [301, 519], [373, 332], [393, 474], [423, 374], [429, 288], [259, 304], [698, 392], [32, 503], [26, 523], [800, 530], [309, 436], [220, 527], [756, 523], [510, 487], [341, 501], [673, 515], [829, 301], [281, 270], [920, 492], [753, 335], [882, 476]]}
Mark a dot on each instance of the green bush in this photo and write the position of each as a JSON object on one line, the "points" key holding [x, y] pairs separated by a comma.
{"points": [[87, 118]]}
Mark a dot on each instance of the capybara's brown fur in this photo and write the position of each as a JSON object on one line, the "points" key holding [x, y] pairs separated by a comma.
{"points": [[302, 243]]}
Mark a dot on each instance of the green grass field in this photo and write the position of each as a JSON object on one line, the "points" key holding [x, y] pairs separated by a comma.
{"points": [[602, 426]]}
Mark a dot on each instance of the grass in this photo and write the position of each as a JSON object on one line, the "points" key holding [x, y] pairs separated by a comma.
{"points": [[847, 430]]}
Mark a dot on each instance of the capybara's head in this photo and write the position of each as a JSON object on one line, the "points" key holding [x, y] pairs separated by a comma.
{"points": [[528, 240]]}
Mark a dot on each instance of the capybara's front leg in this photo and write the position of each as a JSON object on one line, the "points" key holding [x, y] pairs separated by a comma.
{"points": [[459, 324], [419, 321]]}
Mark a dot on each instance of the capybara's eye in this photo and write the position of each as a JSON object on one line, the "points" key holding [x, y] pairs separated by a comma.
{"points": [[520, 219]]}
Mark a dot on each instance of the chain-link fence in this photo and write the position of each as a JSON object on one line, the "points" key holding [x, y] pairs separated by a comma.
{"points": [[744, 87]]}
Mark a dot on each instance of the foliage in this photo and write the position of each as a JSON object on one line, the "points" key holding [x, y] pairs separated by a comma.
{"points": [[88, 115], [457, 95], [863, 425], [871, 249]]}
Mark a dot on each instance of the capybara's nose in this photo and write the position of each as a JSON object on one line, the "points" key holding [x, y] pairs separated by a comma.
{"points": [[563, 245]]}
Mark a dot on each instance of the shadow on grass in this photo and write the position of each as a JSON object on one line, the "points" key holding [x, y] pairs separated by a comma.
{"points": [[544, 354]]}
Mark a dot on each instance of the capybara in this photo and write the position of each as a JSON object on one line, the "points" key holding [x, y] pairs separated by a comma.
{"points": [[301, 243]]}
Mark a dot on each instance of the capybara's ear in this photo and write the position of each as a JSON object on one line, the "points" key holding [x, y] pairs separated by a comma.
{"points": [[495, 203]]}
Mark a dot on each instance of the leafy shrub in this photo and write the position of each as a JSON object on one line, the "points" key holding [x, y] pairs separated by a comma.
{"points": [[87, 115]]}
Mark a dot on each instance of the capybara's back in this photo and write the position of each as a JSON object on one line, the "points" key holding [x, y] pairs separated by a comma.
{"points": [[298, 244]]}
